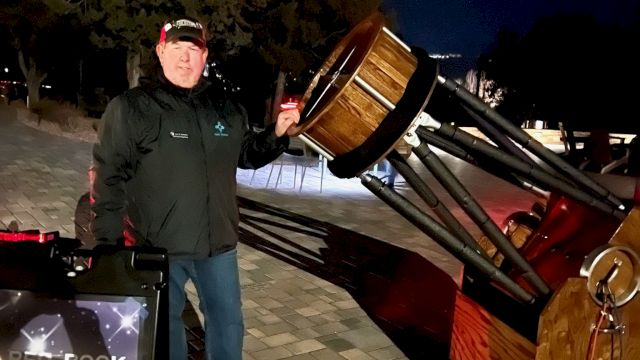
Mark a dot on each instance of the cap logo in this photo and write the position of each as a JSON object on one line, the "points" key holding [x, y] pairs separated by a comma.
{"points": [[183, 29], [185, 22]]}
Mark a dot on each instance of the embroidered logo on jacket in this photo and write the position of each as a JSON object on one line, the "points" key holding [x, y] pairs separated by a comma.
{"points": [[220, 130], [177, 135]]}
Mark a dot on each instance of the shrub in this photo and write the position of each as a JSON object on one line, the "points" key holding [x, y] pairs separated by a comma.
{"points": [[18, 103], [63, 114]]}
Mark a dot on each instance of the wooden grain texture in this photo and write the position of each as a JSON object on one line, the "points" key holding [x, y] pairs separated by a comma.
{"points": [[354, 115], [350, 122], [348, 115], [628, 234], [478, 335], [344, 60], [565, 324], [518, 234], [388, 68]]}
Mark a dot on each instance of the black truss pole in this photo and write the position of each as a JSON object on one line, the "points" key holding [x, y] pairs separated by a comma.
{"points": [[478, 215], [443, 237], [527, 142], [450, 147], [431, 199], [523, 168]]}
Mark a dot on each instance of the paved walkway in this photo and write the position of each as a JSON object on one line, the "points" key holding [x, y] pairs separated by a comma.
{"points": [[302, 253]]}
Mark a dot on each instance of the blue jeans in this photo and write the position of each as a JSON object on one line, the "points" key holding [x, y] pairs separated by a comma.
{"points": [[217, 281]]}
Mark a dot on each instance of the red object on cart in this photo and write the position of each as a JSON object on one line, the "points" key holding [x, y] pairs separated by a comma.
{"points": [[291, 104], [28, 235]]}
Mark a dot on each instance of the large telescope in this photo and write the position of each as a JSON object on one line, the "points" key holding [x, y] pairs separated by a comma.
{"points": [[372, 100]]}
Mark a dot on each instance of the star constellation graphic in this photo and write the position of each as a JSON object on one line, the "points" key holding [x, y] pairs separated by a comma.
{"points": [[51, 327]]}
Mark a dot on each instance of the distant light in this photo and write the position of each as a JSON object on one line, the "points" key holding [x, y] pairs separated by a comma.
{"points": [[445, 56], [46, 86], [6, 69]]}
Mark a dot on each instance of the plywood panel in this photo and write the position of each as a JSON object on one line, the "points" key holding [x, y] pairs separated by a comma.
{"points": [[478, 335], [566, 323]]}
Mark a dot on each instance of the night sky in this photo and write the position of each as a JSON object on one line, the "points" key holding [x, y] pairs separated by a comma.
{"points": [[468, 27]]}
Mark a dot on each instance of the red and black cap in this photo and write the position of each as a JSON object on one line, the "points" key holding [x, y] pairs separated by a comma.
{"points": [[183, 29]]}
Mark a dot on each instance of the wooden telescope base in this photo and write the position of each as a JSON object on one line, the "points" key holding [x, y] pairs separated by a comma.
{"points": [[566, 325]]}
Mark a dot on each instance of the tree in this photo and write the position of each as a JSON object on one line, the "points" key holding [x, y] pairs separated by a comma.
{"points": [[568, 68], [41, 32], [132, 26], [288, 36], [294, 36], [135, 26]]}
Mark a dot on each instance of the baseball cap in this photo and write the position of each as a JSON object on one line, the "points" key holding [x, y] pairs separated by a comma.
{"points": [[183, 29]]}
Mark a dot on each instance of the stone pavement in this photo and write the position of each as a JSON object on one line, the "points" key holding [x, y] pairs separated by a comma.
{"points": [[300, 254]]}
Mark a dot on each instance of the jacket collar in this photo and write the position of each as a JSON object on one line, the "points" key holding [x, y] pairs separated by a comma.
{"points": [[158, 80]]}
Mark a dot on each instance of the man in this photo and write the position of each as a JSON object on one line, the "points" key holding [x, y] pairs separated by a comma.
{"points": [[166, 161]]}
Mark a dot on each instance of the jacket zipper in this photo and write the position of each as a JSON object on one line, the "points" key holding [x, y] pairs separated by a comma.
{"points": [[206, 171]]}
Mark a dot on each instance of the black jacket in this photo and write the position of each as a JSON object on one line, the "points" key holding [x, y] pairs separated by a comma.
{"points": [[166, 164]]}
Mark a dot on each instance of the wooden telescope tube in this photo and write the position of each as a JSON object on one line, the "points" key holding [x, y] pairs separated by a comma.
{"points": [[365, 97]]}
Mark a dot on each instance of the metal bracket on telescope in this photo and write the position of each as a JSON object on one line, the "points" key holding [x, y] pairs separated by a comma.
{"points": [[425, 120]]}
